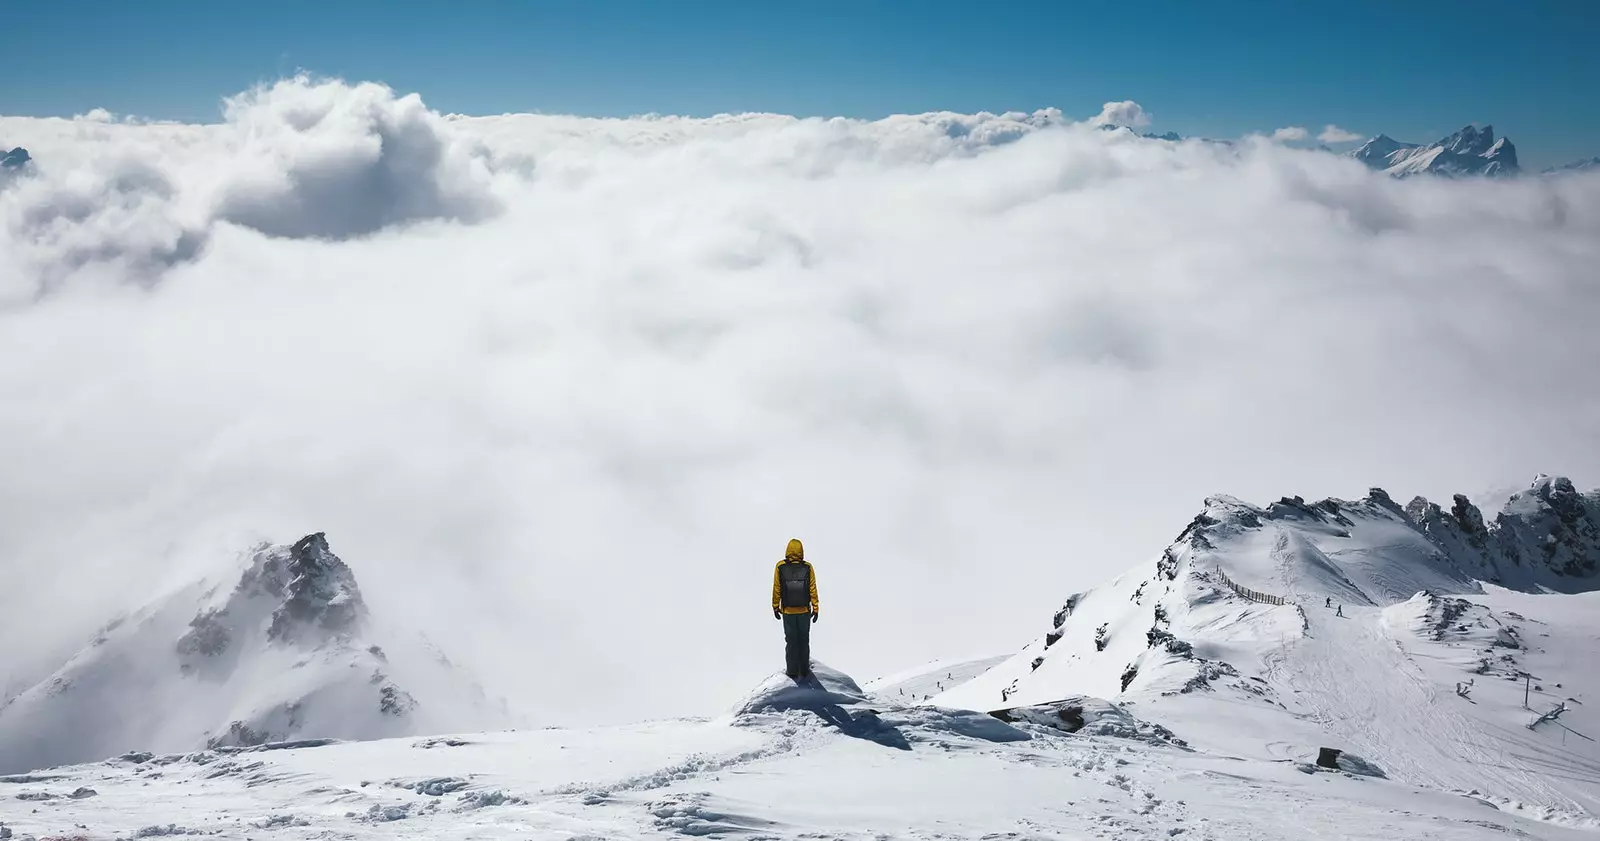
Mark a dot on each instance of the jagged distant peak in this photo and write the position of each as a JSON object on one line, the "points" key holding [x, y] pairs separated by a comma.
{"points": [[290, 650], [1471, 150], [1470, 140], [17, 158], [1545, 537], [1380, 146], [308, 593], [1585, 165]]}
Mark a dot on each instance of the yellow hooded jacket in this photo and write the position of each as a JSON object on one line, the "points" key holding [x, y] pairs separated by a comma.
{"points": [[795, 554]]}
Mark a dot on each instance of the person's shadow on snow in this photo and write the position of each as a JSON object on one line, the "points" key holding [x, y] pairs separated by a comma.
{"points": [[863, 724]]}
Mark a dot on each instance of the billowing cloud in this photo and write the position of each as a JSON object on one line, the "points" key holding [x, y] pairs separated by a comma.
{"points": [[1125, 113], [1333, 134], [561, 389], [1290, 134], [335, 162]]}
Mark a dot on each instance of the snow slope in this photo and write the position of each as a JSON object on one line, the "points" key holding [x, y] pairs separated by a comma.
{"points": [[923, 682], [790, 761], [289, 651], [1269, 632]]}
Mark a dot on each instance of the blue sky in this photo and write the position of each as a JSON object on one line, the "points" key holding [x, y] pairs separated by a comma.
{"points": [[1415, 69]]}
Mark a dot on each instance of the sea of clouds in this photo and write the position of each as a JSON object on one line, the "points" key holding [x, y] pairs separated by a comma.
{"points": [[560, 389]]}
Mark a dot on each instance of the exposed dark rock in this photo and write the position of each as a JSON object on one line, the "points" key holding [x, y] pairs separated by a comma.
{"points": [[321, 593]]}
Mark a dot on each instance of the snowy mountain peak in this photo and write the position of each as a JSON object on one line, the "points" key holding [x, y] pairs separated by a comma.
{"points": [[291, 651], [301, 594], [1470, 140], [1469, 151], [1551, 526], [1377, 151], [1157, 633], [1586, 165], [1349, 624]]}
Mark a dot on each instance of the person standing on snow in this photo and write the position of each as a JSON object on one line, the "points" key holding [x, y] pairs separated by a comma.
{"points": [[794, 600]]}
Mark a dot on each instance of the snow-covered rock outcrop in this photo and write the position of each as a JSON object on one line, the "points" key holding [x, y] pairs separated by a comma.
{"points": [[1470, 151], [1546, 537], [290, 651]]}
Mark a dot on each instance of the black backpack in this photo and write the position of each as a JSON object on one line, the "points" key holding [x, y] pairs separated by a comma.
{"points": [[794, 583]]}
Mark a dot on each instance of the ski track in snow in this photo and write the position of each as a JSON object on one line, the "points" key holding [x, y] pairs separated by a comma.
{"points": [[1387, 711]]}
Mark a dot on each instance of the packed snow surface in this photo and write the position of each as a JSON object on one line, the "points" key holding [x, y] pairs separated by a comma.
{"points": [[808, 759]]}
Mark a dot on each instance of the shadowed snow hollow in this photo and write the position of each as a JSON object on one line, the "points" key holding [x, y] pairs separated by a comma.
{"points": [[290, 651]]}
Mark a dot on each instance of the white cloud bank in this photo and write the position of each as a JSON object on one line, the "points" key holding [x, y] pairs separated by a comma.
{"points": [[1125, 113], [560, 389], [1333, 134]]}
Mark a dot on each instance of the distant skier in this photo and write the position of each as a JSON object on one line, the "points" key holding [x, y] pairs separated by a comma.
{"points": [[794, 600], [1340, 611], [1328, 602]]}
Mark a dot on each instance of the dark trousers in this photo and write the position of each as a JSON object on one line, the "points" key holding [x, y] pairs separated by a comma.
{"points": [[797, 643]]}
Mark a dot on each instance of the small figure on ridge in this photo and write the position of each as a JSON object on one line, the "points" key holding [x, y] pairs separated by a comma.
{"points": [[794, 600]]}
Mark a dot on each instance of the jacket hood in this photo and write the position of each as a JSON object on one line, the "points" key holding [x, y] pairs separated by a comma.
{"points": [[795, 552]]}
